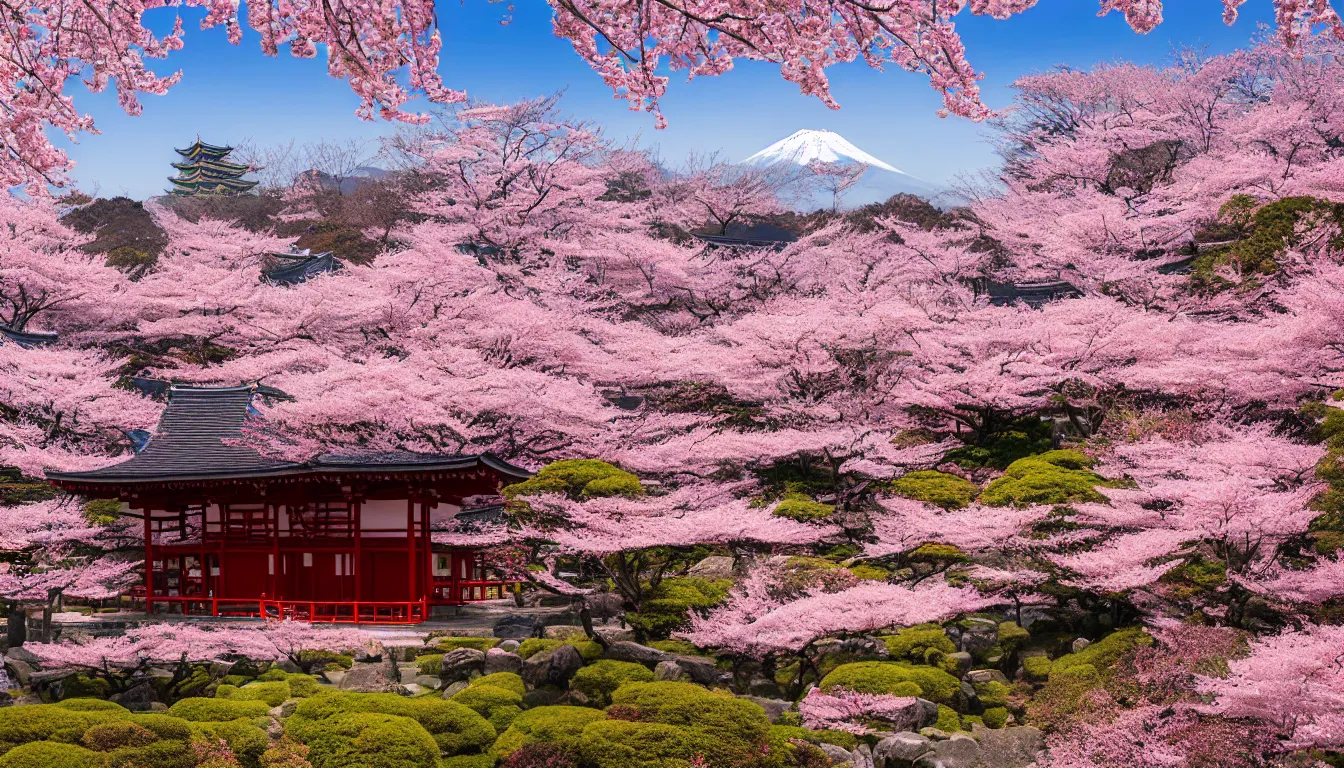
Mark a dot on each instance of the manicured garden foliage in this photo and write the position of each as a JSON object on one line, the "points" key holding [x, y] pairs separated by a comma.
{"points": [[454, 727], [937, 488], [46, 754], [217, 710], [1054, 477], [598, 680], [895, 678], [506, 680], [560, 726]]}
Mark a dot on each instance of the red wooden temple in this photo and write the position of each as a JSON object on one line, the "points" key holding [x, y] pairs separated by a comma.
{"points": [[229, 532]]}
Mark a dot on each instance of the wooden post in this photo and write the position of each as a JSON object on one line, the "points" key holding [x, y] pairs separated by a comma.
{"points": [[428, 570], [149, 564], [273, 522], [359, 535], [410, 554]]}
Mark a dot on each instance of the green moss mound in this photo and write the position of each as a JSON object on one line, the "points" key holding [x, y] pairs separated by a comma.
{"points": [[366, 740], [51, 722], [801, 507], [217, 710], [46, 754], [506, 680], [160, 754], [624, 744], [895, 678], [481, 644], [914, 643], [456, 728], [1053, 477], [995, 717], [496, 705], [1261, 235], [579, 479], [1103, 654], [561, 726], [430, 664], [109, 736], [273, 693], [1020, 439], [600, 679], [937, 488], [589, 650], [735, 727], [243, 736], [838, 738], [165, 727], [948, 719], [1036, 668]]}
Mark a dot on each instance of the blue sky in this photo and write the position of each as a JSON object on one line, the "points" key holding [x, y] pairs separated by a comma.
{"points": [[229, 93]]}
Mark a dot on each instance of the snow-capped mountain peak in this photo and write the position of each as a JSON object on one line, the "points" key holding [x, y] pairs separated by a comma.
{"points": [[806, 146]]}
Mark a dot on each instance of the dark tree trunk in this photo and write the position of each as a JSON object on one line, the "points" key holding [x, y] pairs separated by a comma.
{"points": [[18, 624]]}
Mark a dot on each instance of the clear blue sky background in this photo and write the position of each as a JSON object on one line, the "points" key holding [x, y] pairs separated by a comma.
{"points": [[229, 93]]}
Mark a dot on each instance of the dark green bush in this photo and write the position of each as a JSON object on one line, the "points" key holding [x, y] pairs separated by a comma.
{"points": [[199, 710], [598, 680], [624, 744], [913, 643], [589, 650], [164, 726], [160, 754], [51, 722], [488, 700], [478, 643], [430, 664], [937, 488], [273, 693], [1053, 477], [801, 507], [995, 717], [735, 727], [47, 754], [242, 735], [456, 728], [561, 726], [506, 680], [667, 607], [109, 736], [896, 678], [365, 740]]}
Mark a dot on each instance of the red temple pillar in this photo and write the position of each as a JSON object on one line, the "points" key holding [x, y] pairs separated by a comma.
{"points": [[427, 571], [149, 564], [410, 555], [357, 569]]}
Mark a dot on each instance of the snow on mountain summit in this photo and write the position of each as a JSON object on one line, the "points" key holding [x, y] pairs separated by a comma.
{"points": [[806, 146]]}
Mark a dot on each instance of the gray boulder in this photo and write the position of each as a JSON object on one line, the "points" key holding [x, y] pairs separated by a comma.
{"points": [[371, 678], [699, 669], [563, 632], [334, 676], [428, 682], [837, 755], [24, 655], [669, 672], [963, 661], [986, 676], [1080, 643], [616, 634], [137, 699], [900, 750], [462, 664], [639, 654], [959, 751], [1017, 747], [713, 567], [552, 668], [20, 671], [454, 688], [542, 697], [979, 635], [509, 646], [502, 661], [287, 665], [862, 757], [773, 707], [516, 626]]}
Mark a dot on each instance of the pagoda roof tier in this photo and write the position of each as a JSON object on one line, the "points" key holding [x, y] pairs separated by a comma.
{"points": [[201, 149], [295, 268], [198, 443], [197, 174], [217, 165]]}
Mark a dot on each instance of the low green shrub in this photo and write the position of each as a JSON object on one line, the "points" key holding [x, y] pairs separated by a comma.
{"points": [[1053, 477], [323, 659], [506, 680], [801, 507], [92, 705], [948, 720], [430, 664], [896, 678], [243, 736], [225, 691], [109, 736], [273, 693], [198, 710], [598, 680], [83, 686], [481, 644], [588, 649], [469, 761], [365, 740], [487, 700], [1103, 654], [562, 726], [51, 722], [165, 727], [160, 754], [456, 728], [913, 643], [993, 693], [995, 717], [1012, 637], [48, 754], [302, 686], [937, 488], [624, 744], [736, 727], [1036, 668]]}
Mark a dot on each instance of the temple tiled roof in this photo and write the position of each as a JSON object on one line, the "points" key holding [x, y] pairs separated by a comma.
{"points": [[27, 339], [192, 443], [297, 267]]}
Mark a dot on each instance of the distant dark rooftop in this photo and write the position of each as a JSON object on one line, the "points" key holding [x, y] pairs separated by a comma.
{"points": [[27, 339], [193, 439], [751, 236], [1033, 294], [295, 268]]}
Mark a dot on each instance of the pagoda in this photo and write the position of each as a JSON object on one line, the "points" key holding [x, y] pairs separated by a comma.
{"points": [[205, 170]]}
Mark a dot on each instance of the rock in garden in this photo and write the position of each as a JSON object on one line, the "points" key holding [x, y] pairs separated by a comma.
{"points": [[639, 654], [137, 698], [986, 676], [901, 750], [542, 697], [20, 671], [713, 567], [334, 676], [497, 660], [668, 672], [616, 634], [1016, 747], [509, 645], [24, 655], [462, 664], [563, 632], [959, 751], [836, 754], [1080, 643], [962, 660], [455, 688], [773, 707], [862, 757], [552, 668], [699, 669], [517, 626], [428, 682], [371, 678]]}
